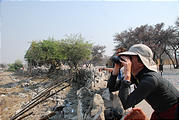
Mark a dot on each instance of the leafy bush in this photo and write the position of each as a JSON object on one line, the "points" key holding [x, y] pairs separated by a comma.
{"points": [[71, 51], [15, 66]]}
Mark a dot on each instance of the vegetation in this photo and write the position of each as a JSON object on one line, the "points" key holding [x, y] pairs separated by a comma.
{"points": [[15, 66], [71, 50], [75, 50], [161, 41]]}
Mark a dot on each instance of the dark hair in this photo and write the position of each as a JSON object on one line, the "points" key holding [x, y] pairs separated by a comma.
{"points": [[139, 60], [121, 50]]}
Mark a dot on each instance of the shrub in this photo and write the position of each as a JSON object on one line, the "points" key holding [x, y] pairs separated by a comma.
{"points": [[15, 66]]}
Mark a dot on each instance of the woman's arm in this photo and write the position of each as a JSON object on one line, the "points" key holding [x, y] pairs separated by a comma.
{"points": [[106, 69], [145, 87], [112, 84]]}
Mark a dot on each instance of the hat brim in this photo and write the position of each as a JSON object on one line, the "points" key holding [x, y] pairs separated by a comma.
{"points": [[127, 53], [149, 64]]}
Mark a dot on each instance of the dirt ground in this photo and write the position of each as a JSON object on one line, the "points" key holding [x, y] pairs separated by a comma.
{"points": [[17, 90], [13, 93], [9, 101]]}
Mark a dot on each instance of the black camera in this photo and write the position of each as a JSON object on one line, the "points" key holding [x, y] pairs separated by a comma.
{"points": [[116, 59]]}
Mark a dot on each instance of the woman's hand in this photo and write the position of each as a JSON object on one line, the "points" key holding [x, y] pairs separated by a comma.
{"points": [[100, 69], [116, 69], [126, 62]]}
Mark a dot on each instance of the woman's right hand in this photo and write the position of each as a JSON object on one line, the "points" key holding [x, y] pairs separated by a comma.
{"points": [[126, 62]]}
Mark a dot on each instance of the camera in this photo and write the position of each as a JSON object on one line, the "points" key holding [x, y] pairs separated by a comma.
{"points": [[116, 59]]}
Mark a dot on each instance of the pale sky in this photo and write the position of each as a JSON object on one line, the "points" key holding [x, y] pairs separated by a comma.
{"points": [[22, 21]]}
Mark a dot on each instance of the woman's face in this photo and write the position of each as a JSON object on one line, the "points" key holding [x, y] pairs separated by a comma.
{"points": [[135, 64]]}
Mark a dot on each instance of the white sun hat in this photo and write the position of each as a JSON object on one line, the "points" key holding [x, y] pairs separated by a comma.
{"points": [[145, 54]]}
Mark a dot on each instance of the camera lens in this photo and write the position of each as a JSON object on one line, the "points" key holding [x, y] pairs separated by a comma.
{"points": [[116, 59]]}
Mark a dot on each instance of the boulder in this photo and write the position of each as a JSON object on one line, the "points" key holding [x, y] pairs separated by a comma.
{"points": [[84, 98], [97, 111]]}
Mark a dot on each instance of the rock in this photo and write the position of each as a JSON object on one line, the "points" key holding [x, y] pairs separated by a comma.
{"points": [[3, 95], [6, 109], [22, 95], [60, 102], [74, 118], [25, 84], [97, 112], [84, 98], [117, 104], [106, 94]]}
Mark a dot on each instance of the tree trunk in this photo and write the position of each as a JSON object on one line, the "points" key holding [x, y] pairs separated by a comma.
{"points": [[30, 67], [52, 68], [175, 52], [173, 63]]}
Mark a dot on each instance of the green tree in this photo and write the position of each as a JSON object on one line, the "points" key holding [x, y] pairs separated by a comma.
{"points": [[15, 66], [51, 53], [45, 52], [72, 50], [75, 49]]}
